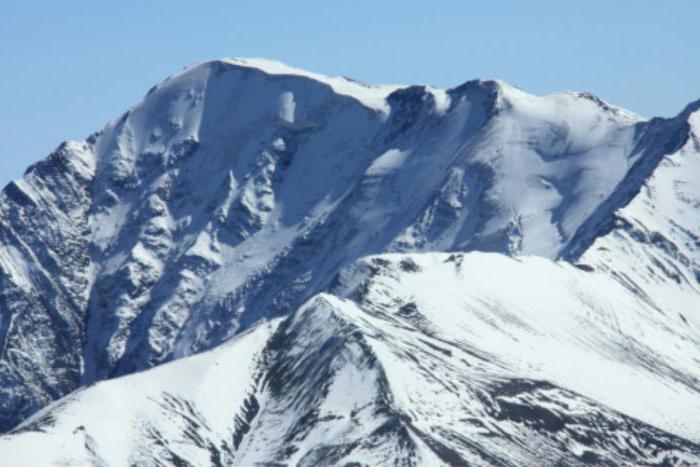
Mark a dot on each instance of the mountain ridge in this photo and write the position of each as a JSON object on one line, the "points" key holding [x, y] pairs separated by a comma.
{"points": [[370, 373], [232, 195]]}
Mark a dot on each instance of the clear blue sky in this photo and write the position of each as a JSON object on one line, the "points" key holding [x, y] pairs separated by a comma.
{"points": [[68, 68]]}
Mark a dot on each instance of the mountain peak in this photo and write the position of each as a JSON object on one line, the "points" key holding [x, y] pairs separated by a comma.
{"points": [[370, 95], [238, 190]]}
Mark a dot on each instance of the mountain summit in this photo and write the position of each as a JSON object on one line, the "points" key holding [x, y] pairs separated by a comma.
{"points": [[369, 275]]}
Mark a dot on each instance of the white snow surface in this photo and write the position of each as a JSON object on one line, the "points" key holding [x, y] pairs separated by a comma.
{"points": [[337, 369], [111, 421], [371, 95], [653, 247]]}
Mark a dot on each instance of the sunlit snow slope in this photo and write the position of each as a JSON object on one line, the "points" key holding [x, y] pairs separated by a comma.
{"points": [[413, 360], [238, 190]]}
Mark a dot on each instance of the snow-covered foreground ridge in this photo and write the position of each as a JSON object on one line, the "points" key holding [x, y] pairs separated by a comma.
{"points": [[213, 213], [415, 359]]}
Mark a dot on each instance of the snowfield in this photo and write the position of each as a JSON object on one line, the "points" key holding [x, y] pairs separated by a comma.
{"points": [[258, 265], [418, 358]]}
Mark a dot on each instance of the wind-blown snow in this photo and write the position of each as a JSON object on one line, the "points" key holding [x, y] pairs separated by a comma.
{"points": [[370, 95]]}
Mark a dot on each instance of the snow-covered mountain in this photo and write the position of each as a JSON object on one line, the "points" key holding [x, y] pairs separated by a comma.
{"points": [[311, 236], [417, 359]]}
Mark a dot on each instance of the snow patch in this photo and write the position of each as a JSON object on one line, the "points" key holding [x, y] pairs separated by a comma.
{"points": [[388, 162], [442, 99], [287, 106]]}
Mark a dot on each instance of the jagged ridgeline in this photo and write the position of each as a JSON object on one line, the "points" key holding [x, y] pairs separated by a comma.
{"points": [[369, 274]]}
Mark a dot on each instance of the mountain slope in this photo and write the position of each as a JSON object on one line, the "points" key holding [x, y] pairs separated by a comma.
{"points": [[431, 359], [652, 244], [45, 272], [237, 190]]}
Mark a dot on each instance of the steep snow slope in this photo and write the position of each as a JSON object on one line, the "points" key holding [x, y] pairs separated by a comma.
{"points": [[196, 403], [652, 244], [423, 359], [237, 189]]}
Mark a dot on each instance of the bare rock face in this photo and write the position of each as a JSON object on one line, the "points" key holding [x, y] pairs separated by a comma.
{"points": [[236, 208], [45, 275]]}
